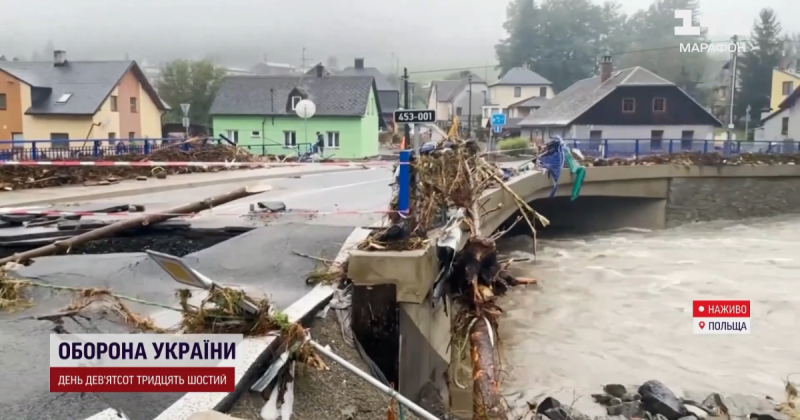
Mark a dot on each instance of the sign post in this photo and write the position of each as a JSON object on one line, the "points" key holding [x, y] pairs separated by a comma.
{"points": [[185, 109], [498, 122], [415, 118]]}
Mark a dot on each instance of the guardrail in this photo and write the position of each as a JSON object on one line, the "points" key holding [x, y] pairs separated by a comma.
{"points": [[610, 148], [71, 149]]}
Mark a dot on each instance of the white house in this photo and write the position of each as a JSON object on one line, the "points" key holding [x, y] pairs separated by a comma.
{"points": [[624, 105], [517, 93], [784, 123], [451, 97]]}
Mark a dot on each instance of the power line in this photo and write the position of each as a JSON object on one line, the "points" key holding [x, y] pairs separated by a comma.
{"points": [[559, 60]]}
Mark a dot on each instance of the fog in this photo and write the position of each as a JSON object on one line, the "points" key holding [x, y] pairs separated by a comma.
{"points": [[419, 34]]}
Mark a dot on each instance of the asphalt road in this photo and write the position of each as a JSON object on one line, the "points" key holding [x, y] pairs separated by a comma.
{"points": [[260, 261]]}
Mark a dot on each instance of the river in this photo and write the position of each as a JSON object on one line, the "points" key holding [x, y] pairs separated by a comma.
{"points": [[616, 308]]}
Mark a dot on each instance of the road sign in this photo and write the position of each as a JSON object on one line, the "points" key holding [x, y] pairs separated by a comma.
{"points": [[179, 271], [186, 122], [497, 129], [498, 119], [414, 116], [183, 274], [185, 109]]}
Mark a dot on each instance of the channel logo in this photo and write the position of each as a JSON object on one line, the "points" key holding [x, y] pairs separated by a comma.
{"points": [[721, 316]]}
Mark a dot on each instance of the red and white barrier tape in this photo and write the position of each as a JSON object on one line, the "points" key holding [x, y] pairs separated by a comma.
{"points": [[210, 213]]}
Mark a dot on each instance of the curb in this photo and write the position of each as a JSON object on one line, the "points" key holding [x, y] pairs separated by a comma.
{"points": [[164, 188]]}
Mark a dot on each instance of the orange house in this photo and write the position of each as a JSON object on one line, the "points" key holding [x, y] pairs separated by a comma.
{"points": [[54, 102]]}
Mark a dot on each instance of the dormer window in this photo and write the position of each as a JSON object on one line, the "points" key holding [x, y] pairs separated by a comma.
{"points": [[295, 101], [64, 98]]}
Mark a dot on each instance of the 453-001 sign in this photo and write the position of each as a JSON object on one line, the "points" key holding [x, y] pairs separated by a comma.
{"points": [[415, 116]]}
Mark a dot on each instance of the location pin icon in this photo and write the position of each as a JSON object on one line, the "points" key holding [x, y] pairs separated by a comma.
{"points": [[702, 325]]}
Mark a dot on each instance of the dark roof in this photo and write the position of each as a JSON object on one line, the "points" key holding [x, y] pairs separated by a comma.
{"points": [[530, 102], [570, 104], [345, 96], [89, 82], [380, 79], [446, 90], [521, 76]]}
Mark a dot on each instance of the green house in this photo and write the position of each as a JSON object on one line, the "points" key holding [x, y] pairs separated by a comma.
{"points": [[258, 113]]}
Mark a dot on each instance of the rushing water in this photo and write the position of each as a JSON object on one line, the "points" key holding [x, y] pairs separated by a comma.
{"points": [[616, 308]]}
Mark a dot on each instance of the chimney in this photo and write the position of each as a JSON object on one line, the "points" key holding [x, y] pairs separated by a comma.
{"points": [[59, 58], [320, 70], [606, 68], [359, 63]]}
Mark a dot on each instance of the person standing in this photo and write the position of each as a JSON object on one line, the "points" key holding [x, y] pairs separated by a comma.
{"points": [[320, 146]]}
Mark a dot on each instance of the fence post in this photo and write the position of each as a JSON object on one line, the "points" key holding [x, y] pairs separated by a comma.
{"points": [[404, 183], [146, 146], [605, 149], [670, 146], [705, 146], [34, 152], [636, 149]]}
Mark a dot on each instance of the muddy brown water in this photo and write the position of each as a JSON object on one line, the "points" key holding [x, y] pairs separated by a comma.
{"points": [[616, 308]]}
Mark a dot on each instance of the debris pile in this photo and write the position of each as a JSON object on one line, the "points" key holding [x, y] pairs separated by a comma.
{"points": [[655, 401], [697, 159], [26, 177]]}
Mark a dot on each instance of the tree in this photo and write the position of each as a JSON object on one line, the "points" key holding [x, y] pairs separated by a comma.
{"points": [[562, 39], [755, 66], [655, 46], [191, 82]]}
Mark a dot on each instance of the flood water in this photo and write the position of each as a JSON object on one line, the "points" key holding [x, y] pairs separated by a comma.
{"points": [[616, 308]]}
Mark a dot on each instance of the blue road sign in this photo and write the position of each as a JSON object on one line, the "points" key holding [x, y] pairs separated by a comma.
{"points": [[498, 119], [497, 128]]}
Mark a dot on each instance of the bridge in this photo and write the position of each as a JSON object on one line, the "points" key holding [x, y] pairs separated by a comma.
{"points": [[391, 303]]}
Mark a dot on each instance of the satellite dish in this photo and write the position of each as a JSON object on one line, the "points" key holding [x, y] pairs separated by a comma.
{"points": [[305, 109]]}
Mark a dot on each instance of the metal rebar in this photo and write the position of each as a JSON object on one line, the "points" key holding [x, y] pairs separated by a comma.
{"points": [[374, 382]]}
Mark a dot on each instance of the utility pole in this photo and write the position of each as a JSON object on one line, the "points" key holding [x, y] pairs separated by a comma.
{"points": [[469, 113], [406, 105], [304, 59], [734, 61]]}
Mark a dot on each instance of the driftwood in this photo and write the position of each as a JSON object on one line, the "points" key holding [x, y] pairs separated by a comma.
{"points": [[122, 225], [487, 404]]}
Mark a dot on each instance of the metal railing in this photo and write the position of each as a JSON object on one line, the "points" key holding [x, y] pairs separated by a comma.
{"points": [[44, 150], [627, 148]]}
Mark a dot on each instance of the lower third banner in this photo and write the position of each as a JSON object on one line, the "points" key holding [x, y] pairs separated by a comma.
{"points": [[132, 379]]}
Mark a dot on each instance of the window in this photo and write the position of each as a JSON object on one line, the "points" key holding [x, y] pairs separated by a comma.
{"points": [[112, 139], [134, 107], [517, 92], [64, 98], [788, 87], [659, 105], [628, 105], [295, 101], [59, 140], [255, 134], [656, 137], [2, 101], [17, 141], [595, 137], [458, 111], [333, 139], [785, 126], [687, 138], [543, 92], [113, 102], [290, 137], [131, 135]]}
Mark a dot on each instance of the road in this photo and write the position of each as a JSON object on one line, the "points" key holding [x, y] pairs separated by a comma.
{"points": [[259, 261]]}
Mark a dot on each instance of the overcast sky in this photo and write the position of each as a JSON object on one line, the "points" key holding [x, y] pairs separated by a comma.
{"points": [[424, 34]]}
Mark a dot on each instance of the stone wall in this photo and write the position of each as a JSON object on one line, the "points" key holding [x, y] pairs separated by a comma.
{"points": [[705, 199]]}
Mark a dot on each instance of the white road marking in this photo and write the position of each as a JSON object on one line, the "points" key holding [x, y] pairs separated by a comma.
{"points": [[234, 205]]}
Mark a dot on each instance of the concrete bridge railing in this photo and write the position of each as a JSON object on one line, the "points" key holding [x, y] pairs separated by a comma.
{"points": [[651, 196]]}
